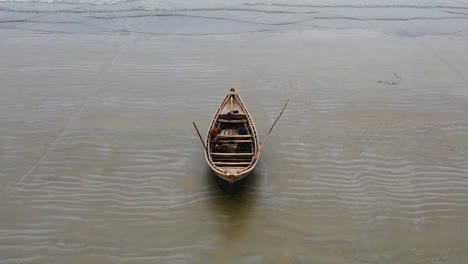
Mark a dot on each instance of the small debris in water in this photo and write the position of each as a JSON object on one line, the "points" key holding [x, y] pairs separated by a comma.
{"points": [[391, 83]]}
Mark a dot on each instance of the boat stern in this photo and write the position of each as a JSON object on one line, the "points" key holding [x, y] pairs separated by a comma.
{"points": [[232, 174]]}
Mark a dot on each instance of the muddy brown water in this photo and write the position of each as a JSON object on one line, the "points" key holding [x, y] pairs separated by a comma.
{"points": [[99, 162]]}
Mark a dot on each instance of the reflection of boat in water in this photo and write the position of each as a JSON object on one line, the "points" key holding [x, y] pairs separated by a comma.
{"points": [[231, 147]]}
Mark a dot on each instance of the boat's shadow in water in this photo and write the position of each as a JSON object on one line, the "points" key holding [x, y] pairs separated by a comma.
{"points": [[235, 207]]}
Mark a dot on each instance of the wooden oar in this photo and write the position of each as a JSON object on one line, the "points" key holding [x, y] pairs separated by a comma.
{"points": [[274, 123], [198, 132]]}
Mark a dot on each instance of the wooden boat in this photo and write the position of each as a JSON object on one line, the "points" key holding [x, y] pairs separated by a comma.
{"points": [[232, 148]]}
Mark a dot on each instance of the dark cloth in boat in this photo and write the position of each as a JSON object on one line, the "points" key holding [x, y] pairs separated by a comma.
{"points": [[229, 116], [218, 148], [242, 130], [226, 148], [230, 147]]}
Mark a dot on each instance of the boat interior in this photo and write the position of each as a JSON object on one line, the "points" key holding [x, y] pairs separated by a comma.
{"points": [[233, 147]]}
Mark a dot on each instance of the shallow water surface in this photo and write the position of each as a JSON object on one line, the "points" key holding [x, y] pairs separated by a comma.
{"points": [[99, 162]]}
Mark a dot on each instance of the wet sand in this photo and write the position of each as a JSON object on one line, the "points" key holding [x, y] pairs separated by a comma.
{"points": [[99, 162]]}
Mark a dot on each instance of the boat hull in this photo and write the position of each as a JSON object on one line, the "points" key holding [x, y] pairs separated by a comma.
{"points": [[232, 177], [231, 187], [232, 167]]}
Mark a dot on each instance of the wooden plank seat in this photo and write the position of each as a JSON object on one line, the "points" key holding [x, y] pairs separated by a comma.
{"points": [[223, 163], [223, 159], [234, 136], [232, 140], [231, 158], [222, 154], [234, 116], [232, 121]]}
